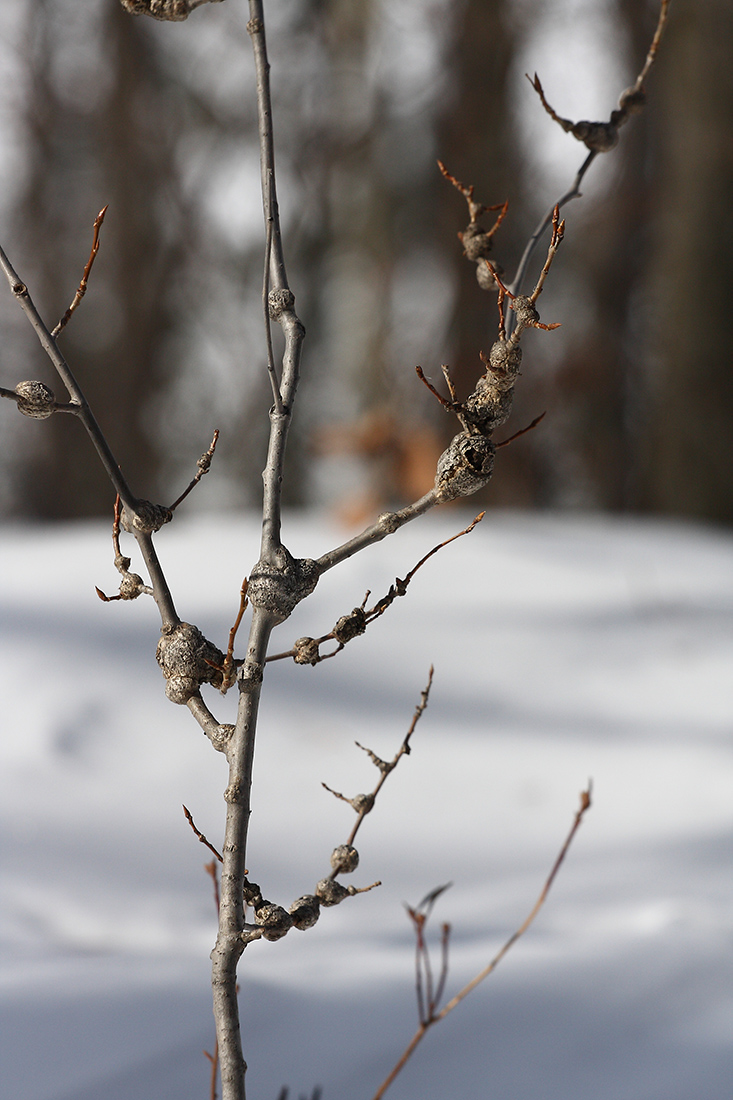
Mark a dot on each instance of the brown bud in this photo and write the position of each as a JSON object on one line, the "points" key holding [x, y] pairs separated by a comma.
{"points": [[349, 626], [329, 892], [305, 911], [274, 920], [344, 859], [35, 399], [306, 651]]}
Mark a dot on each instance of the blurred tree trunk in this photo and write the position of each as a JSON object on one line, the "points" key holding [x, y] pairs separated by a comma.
{"points": [[93, 140], [689, 440]]}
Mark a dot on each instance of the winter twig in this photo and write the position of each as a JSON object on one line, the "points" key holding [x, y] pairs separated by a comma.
{"points": [[599, 137], [202, 838], [82, 289], [204, 465], [306, 651], [364, 803], [429, 1018]]}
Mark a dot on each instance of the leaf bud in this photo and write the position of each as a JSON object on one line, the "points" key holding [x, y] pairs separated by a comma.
{"points": [[35, 399], [344, 859]]}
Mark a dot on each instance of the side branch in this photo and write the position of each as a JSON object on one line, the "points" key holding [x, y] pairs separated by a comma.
{"points": [[386, 524], [48, 343], [82, 289], [598, 137], [432, 1017]]}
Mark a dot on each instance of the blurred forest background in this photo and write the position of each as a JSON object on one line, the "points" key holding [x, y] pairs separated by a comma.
{"points": [[158, 121]]}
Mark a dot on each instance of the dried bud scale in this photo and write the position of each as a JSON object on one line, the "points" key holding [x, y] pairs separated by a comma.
{"points": [[344, 859], [173, 11], [252, 894], [35, 399], [131, 586], [274, 920], [350, 626], [306, 651], [525, 310], [305, 911], [485, 277], [489, 406], [279, 302], [477, 243], [329, 892], [147, 517]]}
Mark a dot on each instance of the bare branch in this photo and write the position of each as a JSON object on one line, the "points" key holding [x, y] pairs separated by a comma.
{"points": [[427, 1020], [364, 803], [204, 465], [85, 277], [48, 343], [386, 524], [598, 137], [306, 651], [522, 431], [202, 838]]}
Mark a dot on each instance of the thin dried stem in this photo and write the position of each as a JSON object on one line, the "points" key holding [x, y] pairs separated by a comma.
{"points": [[202, 838], [307, 650], [204, 465], [558, 232], [652, 54], [523, 431], [572, 193], [385, 525], [428, 1021], [387, 767], [631, 101], [271, 372], [232, 934], [476, 209], [82, 289]]}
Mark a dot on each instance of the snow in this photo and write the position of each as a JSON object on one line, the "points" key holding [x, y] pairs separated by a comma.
{"points": [[564, 648]]}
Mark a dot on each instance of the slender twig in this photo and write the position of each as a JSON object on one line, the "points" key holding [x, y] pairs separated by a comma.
{"points": [[523, 431], [386, 524], [82, 409], [204, 465], [364, 803], [200, 835], [161, 591], [307, 651], [214, 1062], [652, 54], [82, 289], [476, 209], [213, 1059], [574, 191], [429, 1020]]}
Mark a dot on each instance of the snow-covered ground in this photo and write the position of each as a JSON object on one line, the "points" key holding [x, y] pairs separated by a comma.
{"points": [[563, 649]]}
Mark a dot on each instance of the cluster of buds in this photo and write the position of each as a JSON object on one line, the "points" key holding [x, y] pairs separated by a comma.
{"points": [[468, 462], [272, 922]]}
